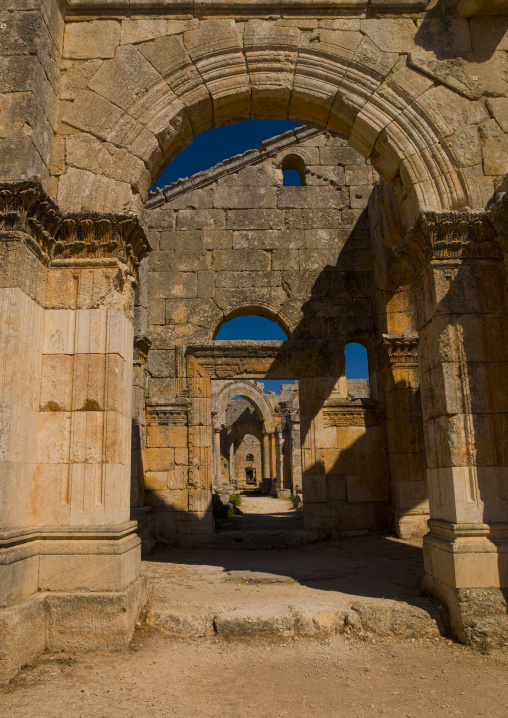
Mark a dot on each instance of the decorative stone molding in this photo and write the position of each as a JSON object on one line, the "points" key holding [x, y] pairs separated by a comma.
{"points": [[253, 8], [401, 351], [351, 415], [25, 207], [168, 414], [448, 236]]}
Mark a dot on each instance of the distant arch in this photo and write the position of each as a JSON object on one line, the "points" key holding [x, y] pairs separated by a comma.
{"points": [[252, 394]]}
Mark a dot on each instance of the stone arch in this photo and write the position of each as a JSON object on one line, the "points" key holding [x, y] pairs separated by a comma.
{"points": [[143, 106], [252, 393]]}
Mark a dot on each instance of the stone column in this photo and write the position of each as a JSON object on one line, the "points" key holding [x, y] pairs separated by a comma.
{"points": [[217, 483], [461, 306], [313, 465], [231, 467], [279, 461], [68, 297], [404, 429], [266, 456]]}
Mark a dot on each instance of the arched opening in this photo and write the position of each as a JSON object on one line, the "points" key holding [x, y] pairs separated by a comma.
{"points": [[357, 370], [291, 178], [293, 171]]}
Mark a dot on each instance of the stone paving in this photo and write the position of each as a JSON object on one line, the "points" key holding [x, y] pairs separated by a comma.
{"points": [[360, 584]]}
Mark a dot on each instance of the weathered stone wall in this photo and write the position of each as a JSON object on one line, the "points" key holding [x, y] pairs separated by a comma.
{"points": [[244, 243]]}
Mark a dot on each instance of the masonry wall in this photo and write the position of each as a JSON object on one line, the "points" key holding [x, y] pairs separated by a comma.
{"points": [[245, 243]]}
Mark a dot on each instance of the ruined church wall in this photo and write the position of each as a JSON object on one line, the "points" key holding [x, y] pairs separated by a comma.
{"points": [[298, 254]]}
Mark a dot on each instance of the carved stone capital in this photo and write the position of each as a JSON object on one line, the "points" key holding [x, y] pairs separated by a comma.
{"points": [[445, 236], [401, 351], [25, 207]]}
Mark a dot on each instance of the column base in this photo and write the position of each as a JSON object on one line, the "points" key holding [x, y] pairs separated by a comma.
{"points": [[81, 621], [466, 566]]}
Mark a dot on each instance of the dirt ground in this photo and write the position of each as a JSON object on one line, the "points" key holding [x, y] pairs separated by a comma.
{"points": [[161, 676], [262, 676]]}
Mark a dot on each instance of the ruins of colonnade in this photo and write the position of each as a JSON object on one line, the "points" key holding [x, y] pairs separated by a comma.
{"points": [[111, 296]]}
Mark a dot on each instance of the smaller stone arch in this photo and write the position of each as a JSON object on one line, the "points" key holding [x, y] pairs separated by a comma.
{"points": [[249, 391]]}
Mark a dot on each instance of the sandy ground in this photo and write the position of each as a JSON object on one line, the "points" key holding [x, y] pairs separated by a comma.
{"points": [[212, 677]]}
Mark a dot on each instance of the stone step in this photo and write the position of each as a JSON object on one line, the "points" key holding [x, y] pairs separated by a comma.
{"points": [[250, 540], [422, 619]]}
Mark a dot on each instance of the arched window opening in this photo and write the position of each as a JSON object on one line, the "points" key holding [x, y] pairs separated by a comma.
{"points": [[291, 178], [293, 171], [357, 371]]}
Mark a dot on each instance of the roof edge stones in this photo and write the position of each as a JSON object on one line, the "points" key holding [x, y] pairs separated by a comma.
{"points": [[232, 165]]}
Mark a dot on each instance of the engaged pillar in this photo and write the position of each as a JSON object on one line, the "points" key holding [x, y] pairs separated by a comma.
{"points": [[461, 308]]}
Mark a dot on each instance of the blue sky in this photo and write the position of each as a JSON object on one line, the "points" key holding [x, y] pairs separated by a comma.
{"points": [[210, 148]]}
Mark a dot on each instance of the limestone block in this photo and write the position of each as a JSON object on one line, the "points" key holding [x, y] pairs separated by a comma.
{"points": [[271, 53], [187, 219], [368, 488], [80, 190], [182, 454], [50, 494], [88, 153], [488, 33], [87, 40], [225, 261], [17, 484], [323, 59], [56, 382], [467, 8], [22, 629], [494, 148], [194, 522], [169, 500], [397, 35], [255, 219], [164, 523], [225, 197], [311, 198], [216, 51], [443, 35], [164, 436], [54, 434], [170, 58], [199, 312], [498, 107], [314, 488], [75, 77], [200, 500], [156, 480], [136, 30], [173, 284]]}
